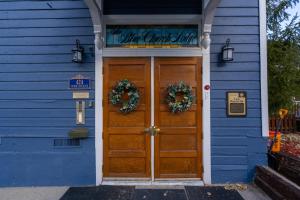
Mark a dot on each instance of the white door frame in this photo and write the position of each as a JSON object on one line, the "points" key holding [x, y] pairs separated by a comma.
{"points": [[159, 52], [196, 52]]}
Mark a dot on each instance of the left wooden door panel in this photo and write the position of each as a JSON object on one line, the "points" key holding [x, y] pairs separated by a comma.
{"points": [[126, 146]]}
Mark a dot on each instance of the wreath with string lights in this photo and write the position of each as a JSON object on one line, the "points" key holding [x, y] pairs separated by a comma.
{"points": [[122, 88], [179, 97]]}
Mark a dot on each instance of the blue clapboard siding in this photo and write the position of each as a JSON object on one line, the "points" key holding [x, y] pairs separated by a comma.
{"points": [[36, 106], [237, 143]]}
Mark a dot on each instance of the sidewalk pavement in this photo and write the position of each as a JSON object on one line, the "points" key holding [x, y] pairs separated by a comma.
{"points": [[32, 193]]}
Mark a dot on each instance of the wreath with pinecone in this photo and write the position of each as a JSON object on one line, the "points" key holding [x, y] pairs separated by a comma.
{"points": [[179, 97], [116, 96]]}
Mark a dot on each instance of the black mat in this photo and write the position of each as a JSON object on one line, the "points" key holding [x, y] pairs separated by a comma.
{"points": [[99, 193], [159, 194], [130, 193], [212, 193]]}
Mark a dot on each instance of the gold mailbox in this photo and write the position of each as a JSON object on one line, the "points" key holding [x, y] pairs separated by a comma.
{"points": [[236, 104]]}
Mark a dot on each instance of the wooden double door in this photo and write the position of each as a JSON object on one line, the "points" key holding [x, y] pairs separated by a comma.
{"points": [[177, 148]]}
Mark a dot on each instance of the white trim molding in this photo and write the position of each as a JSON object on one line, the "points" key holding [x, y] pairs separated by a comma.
{"points": [[209, 8], [164, 52], [264, 68], [206, 117], [205, 22], [98, 114], [95, 8]]}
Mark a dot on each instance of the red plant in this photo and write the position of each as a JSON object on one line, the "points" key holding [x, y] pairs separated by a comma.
{"points": [[291, 144]]}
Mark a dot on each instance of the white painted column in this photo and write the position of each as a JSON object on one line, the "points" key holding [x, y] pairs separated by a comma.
{"points": [[206, 116], [98, 106], [264, 68]]}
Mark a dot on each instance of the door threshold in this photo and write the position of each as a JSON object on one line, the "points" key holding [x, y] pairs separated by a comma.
{"points": [[153, 183]]}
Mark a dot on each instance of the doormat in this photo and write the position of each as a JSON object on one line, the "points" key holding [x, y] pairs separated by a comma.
{"points": [[130, 193], [212, 193], [159, 194], [99, 193]]}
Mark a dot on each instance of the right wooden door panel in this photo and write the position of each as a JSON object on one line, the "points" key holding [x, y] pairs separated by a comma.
{"points": [[178, 146]]}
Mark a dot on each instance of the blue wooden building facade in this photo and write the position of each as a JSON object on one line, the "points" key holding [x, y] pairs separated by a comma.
{"points": [[37, 108]]}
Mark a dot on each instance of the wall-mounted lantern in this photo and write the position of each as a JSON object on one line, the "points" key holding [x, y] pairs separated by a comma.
{"points": [[227, 52], [78, 53]]}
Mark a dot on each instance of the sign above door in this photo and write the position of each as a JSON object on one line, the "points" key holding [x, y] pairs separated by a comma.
{"points": [[151, 36]]}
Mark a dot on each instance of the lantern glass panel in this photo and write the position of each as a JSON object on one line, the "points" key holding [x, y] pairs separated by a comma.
{"points": [[78, 53], [225, 54], [79, 56], [74, 56], [228, 54]]}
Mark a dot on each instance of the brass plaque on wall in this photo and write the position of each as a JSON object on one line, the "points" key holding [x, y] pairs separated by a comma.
{"points": [[236, 104], [81, 95]]}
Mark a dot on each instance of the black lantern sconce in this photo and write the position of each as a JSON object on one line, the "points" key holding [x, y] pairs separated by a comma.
{"points": [[78, 53], [227, 52]]}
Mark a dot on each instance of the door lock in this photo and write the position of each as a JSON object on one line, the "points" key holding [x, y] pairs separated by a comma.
{"points": [[152, 130]]}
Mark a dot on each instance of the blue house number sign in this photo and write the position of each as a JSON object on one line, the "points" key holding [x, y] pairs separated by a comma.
{"points": [[80, 83]]}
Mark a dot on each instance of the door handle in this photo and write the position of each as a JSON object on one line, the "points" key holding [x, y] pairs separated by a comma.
{"points": [[152, 130]]}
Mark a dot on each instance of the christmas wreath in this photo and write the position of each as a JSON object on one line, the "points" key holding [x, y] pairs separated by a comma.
{"points": [[179, 97], [122, 88]]}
